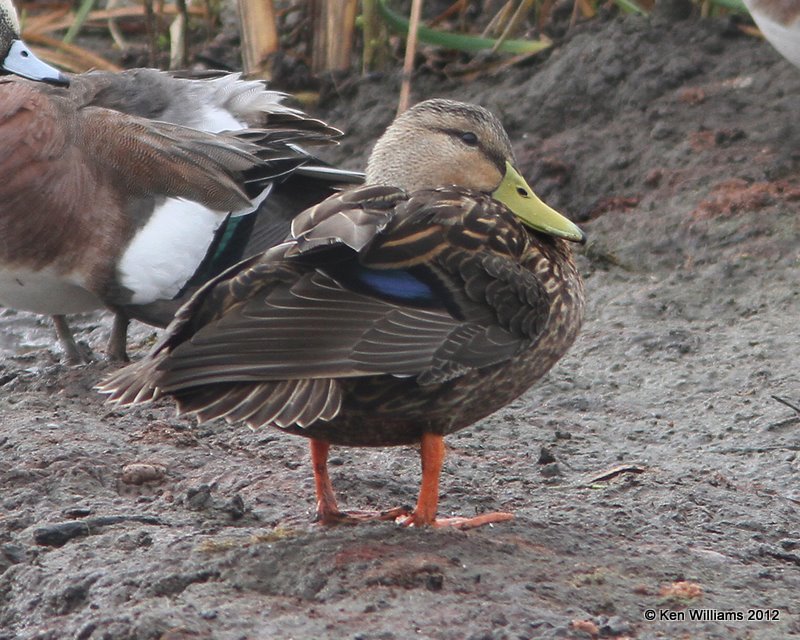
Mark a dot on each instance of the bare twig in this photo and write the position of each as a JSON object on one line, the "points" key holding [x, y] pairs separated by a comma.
{"points": [[456, 7], [786, 402], [498, 20], [411, 50], [512, 24], [613, 472]]}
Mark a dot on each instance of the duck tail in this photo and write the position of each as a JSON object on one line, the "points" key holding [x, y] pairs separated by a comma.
{"points": [[133, 384]]}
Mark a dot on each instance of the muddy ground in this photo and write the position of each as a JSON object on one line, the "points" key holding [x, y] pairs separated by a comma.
{"points": [[652, 470]]}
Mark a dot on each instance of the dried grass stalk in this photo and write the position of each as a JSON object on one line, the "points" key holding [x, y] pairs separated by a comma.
{"points": [[179, 37], [68, 56], [411, 51], [376, 39], [333, 29], [259, 30]]}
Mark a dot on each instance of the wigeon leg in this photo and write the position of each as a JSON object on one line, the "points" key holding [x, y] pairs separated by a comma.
{"points": [[72, 353], [117, 348]]}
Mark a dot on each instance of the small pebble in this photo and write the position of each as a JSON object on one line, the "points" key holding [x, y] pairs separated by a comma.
{"points": [[546, 456], [550, 470], [138, 473]]}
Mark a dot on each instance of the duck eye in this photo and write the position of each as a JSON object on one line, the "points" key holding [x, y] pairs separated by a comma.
{"points": [[469, 138]]}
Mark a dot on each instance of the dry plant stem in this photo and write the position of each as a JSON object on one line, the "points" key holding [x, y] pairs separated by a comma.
{"points": [[457, 6], [376, 47], [333, 25], [574, 17], [179, 33], [523, 8], [258, 26], [341, 19], [498, 20], [474, 71], [613, 472], [43, 23], [61, 20], [150, 23], [411, 50], [545, 8], [113, 28], [68, 56]]}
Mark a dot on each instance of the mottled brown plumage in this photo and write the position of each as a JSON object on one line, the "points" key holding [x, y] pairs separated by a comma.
{"points": [[392, 315]]}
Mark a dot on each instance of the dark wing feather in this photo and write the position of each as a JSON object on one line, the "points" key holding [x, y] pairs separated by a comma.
{"points": [[258, 343], [314, 328], [155, 157], [284, 403]]}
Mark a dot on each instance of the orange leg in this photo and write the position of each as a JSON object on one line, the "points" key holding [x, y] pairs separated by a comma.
{"points": [[326, 499], [432, 456], [327, 510]]}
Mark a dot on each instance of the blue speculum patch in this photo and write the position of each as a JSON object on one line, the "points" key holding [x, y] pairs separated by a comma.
{"points": [[394, 283]]}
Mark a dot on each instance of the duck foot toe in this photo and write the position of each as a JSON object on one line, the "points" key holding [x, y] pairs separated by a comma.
{"points": [[456, 522], [358, 517]]}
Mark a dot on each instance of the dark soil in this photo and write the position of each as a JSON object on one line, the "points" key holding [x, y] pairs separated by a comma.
{"points": [[653, 469]]}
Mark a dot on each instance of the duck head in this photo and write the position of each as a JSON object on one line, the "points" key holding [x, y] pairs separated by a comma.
{"points": [[441, 142], [16, 57]]}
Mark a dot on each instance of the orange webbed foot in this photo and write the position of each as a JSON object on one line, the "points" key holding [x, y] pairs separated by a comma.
{"points": [[456, 522], [423, 515], [333, 518]]}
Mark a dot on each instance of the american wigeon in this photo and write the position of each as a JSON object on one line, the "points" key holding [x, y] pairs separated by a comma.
{"points": [[398, 312], [153, 249], [15, 56], [779, 21]]}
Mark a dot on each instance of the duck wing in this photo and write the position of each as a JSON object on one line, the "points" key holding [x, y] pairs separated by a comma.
{"points": [[373, 283], [42, 130]]}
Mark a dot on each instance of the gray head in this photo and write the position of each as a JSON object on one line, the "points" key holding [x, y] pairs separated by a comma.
{"points": [[16, 57]]}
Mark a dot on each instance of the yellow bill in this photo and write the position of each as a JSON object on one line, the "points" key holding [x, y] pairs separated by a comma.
{"points": [[516, 194]]}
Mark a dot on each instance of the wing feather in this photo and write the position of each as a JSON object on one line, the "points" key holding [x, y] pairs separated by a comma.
{"points": [[277, 336]]}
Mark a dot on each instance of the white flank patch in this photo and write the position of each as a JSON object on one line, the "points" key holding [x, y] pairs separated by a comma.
{"points": [[45, 291], [165, 254], [786, 39], [167, 251], [215, 120]]}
